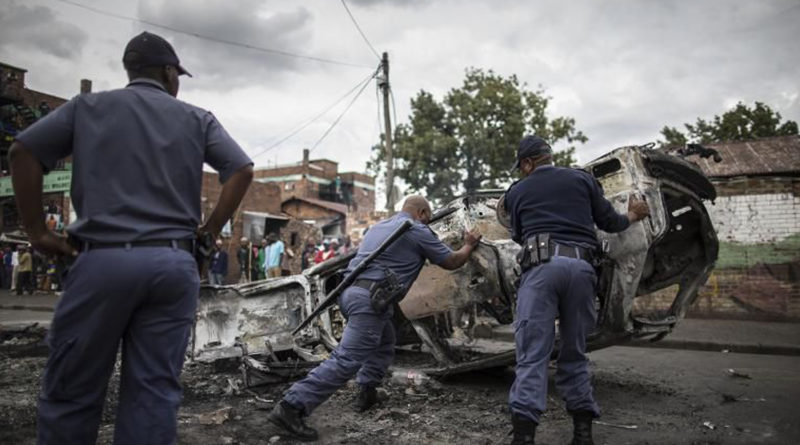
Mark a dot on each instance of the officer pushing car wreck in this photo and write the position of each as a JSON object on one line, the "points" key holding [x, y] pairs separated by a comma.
{"points": [[553, 214], [564, 266], [563, 254]]}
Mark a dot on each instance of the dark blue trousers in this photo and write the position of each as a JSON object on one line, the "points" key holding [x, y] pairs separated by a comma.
{"points": [[144, 298], [366, 351], [563, 287]]}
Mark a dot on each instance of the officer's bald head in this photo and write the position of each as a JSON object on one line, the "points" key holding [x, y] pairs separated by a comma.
{"points": [[418, 207]]}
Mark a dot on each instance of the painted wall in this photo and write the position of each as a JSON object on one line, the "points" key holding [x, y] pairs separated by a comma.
{"points": [[757, 275]]}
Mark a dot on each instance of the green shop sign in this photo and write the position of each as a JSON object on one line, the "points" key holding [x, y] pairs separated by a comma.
{"points": [[54, 182]]}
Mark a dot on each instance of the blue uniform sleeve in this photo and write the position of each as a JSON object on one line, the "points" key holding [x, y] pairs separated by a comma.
{"points": [[50, 138], [429, 245], [223, 154], [603, 213], [516, 227]]}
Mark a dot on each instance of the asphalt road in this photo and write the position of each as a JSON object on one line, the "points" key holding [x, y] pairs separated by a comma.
{"points": [[20, 318], [648, 396], [692, 397]]}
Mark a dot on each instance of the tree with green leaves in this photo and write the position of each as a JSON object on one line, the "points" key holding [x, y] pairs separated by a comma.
{"points": [[468, 140], [737, 124]]}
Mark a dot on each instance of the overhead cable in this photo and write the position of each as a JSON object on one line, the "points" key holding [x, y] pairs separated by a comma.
{"points": [[340, 115], [214, 39], [359, 30], [310, 121]]}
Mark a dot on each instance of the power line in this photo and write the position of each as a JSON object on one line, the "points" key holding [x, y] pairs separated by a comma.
{"points": [[316, 117], [213, 39], [342, 114], [394, 110], [359, 29]]}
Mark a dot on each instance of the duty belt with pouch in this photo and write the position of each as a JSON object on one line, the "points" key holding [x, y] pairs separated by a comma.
{"points": [[383, 293], [539, 249], [534, 252]]}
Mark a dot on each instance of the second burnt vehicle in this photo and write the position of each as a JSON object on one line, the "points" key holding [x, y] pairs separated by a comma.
{"points": [[673, 250]]}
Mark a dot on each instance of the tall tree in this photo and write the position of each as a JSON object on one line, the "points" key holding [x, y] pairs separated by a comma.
{"points": [[737, 124], [468, 140]]}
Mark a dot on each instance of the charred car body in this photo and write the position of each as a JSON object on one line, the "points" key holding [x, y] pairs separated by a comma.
{"points": [[675, 248]]}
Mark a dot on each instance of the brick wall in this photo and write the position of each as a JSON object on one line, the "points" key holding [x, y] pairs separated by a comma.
{"points": [[12, 82], [303, 210], [260, 197], [756, 210], [363, 192], [758, 269]]}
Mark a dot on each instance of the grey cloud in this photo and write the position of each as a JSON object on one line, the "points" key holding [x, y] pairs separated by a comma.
{"points": [[35, 28], [370, 3], [219, 65]]}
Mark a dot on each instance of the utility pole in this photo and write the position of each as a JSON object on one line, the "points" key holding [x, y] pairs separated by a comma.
{"points": [[383, 83]]}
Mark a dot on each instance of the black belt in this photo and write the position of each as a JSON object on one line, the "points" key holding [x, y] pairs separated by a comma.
{"points": [[576, 252], [364, 284], [183, 244]]}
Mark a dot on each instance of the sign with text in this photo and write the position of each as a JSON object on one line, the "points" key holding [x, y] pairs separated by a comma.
{"points": [[54, 182]]}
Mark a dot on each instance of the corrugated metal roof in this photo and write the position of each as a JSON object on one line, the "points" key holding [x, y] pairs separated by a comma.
{"points": [[335, 206], [779, 155]]}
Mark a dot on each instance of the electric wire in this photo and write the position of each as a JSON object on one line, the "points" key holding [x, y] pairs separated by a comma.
{"points": [[333, 124], [359, 30], [315, 117], [394, 110], [214, 39]]}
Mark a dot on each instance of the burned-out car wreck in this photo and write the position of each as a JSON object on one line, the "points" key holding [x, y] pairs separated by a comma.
{"points": [[675, 248]]}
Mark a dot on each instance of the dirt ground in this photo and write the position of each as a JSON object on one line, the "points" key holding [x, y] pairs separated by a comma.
{"points": [[649, 397]]}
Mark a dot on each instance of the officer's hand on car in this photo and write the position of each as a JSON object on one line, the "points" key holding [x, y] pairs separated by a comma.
{"points": [[472, 237], [637, 209], [50, 242]]}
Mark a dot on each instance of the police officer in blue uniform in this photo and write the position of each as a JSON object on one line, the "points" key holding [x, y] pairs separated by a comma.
{"points": [[137, 156], [553, 213], [367, 346]]}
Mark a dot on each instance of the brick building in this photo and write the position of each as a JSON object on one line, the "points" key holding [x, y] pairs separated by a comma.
{"points": [[19, 108], [258, 215], [330, 217], [314, 190], [757, 218]]}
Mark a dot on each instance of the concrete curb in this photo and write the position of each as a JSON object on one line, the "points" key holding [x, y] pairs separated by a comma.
{"points": [[23, 307], [742, 348], [693, 345]]}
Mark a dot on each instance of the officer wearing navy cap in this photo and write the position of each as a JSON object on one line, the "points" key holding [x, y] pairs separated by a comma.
{"points": [[555, 210], [367, 346], [138, 156]]}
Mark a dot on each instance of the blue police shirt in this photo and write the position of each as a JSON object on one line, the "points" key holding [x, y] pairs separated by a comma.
{"points": [[564, 202], [406, 256], [138, 157]]}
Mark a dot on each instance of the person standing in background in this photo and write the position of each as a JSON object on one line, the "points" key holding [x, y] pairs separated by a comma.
{"points": [[274, 256], [219, 265]]}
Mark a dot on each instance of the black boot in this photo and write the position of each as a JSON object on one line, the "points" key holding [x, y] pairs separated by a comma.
{"points": [[524, 431], [290, 422], [582, 433], [366, 398]]}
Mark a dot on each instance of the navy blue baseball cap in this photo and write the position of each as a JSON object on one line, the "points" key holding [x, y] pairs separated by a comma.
{"points": [[148, 49], [530, 147]]}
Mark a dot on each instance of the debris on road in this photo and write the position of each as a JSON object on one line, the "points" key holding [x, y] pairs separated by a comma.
{"points": [[216, 417], [616, 425], [734, 373], [709, 425]]}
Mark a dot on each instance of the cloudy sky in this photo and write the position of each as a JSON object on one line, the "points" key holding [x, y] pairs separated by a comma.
{"points": [[622, 69]]}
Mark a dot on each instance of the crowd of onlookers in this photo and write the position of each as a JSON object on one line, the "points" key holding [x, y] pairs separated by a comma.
{"points": [[270, 258], [327, 249], [26, 270]]}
